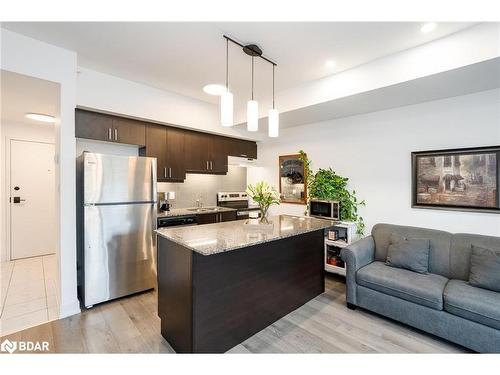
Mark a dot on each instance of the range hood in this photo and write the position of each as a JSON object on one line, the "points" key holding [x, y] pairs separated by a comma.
{"points": [[241, 162]]}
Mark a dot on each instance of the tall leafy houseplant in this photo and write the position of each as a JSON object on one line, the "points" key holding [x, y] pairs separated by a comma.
{"points": [[265, 196], [326, 184]]}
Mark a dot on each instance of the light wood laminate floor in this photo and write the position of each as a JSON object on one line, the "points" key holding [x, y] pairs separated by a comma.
{"points": [[323, 325]]}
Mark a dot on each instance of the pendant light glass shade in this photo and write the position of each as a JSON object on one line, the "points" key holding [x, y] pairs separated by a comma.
{"points": [[226, 109], [274, 123], [252, 116]]}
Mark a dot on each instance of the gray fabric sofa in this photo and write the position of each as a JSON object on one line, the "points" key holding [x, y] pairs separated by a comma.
{"points": [[440, 302]]}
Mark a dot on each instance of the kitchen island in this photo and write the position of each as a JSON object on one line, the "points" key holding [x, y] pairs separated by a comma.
{"points": [[219, 284]]}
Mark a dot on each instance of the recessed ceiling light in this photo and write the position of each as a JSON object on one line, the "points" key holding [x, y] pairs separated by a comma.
{"points": [[329, 63], [428, 27], [214, 89], [40, 117]]}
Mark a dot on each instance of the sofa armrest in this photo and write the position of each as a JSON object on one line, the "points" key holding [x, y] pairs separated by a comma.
{"points": [[356, 255]]}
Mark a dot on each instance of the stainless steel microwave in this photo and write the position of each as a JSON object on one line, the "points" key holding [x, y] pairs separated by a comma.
{"points": [[324, 209]]}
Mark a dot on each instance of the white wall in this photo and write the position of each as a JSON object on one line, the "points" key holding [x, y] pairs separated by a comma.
{"points": [[112, 94], [373, 150], [30, 57]]}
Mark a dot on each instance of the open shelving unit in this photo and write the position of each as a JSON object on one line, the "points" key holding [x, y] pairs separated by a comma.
{"points": [[346, 234]]}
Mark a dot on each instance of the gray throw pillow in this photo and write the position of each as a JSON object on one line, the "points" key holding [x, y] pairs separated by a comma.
{"points": [[409, 253], [485, 268]]}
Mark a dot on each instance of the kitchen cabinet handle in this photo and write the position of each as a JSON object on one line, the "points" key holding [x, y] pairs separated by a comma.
{"points": [[116, 134], [211, 165], [207, 166], [109, 134], [170, 172], [165, 172]]}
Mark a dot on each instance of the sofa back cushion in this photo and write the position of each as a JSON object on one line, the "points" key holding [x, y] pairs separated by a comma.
{"points": [[461, 249], [440, 241]]}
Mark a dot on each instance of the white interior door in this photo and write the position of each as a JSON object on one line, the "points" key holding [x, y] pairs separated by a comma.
{"points": [[32, 199]]}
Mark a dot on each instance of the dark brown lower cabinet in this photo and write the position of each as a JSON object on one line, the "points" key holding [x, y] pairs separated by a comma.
{"points": [[228, 216], [207, 218], [210, 303], [218, 217]]}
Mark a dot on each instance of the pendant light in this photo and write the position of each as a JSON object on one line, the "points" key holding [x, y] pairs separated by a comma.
{"points": [[273, 118], [252, 111], [226, 99]]}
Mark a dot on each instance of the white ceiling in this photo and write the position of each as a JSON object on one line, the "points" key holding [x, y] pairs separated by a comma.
{"points": [[183, 57], [22, 94]]}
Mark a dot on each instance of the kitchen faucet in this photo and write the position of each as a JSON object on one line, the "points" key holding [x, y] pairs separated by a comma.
{"points": [[199, 202]]}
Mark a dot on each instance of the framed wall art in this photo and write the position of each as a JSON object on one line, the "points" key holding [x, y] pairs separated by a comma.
{"points": [[292, 176], [464, 179]]}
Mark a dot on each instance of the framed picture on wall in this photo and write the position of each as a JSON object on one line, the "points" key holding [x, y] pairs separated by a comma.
{"points": [[293, 184], [464, 179]]}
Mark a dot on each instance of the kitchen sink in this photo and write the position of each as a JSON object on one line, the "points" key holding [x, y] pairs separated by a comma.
{"points": [[205, 209]]}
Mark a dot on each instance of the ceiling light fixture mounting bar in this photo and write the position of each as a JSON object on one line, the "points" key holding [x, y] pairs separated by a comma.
{"points": [[251, 50]]}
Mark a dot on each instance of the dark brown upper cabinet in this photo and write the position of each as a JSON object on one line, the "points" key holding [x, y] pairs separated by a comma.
{"points": [[167, 146], [241, 148], [217, 154], [128, 131], [206, 153], [91, 125], [175, 154], [101, 127], [177, 150]]}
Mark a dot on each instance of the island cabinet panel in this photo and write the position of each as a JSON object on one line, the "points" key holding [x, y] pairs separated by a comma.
{"points": [[207, 218], [175, 294], [220, 300]]}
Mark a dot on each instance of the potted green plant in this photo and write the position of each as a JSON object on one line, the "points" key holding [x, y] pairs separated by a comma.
{"points": [[326, 184], [265, 196]]}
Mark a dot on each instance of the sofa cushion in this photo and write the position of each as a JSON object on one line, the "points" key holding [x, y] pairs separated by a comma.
{"points": [[476, 304], [423, 289], [409, 253], [461, 249], [485, 268], [439, 256]]}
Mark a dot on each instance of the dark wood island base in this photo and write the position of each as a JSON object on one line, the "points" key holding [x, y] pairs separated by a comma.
{"points": [[211, 303]]}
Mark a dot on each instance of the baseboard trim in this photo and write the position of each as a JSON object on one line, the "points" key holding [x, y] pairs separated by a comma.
{"points": [[69, 309]]}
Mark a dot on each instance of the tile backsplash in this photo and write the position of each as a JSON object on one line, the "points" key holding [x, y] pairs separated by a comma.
{"points": [[205, 186]]}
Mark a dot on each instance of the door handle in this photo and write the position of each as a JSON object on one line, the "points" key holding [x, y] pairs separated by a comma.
{"points": [[170, 172], [116, 134], [18, 200], [165, 172], [207, 166], [211, 166], [109, 134]]}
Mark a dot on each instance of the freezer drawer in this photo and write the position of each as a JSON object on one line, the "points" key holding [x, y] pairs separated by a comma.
{"points": [[119, 256], [118, 179]]}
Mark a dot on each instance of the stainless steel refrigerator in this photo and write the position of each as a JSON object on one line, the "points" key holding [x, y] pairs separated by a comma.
{"points": [[116, 198]]}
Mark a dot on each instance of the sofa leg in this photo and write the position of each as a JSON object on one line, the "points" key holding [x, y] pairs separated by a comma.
{"points": [[351, 306]]}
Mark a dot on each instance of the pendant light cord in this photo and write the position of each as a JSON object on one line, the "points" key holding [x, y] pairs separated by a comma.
{"points": [[273, 86], [252, 77], [227, 64]]}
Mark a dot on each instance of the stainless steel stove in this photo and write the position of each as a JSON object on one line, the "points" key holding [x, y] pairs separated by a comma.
{"points": [[238, 200]]}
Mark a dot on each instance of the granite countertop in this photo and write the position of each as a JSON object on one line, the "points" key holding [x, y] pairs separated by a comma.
{"points": [[192, 211], [216, 238]]}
